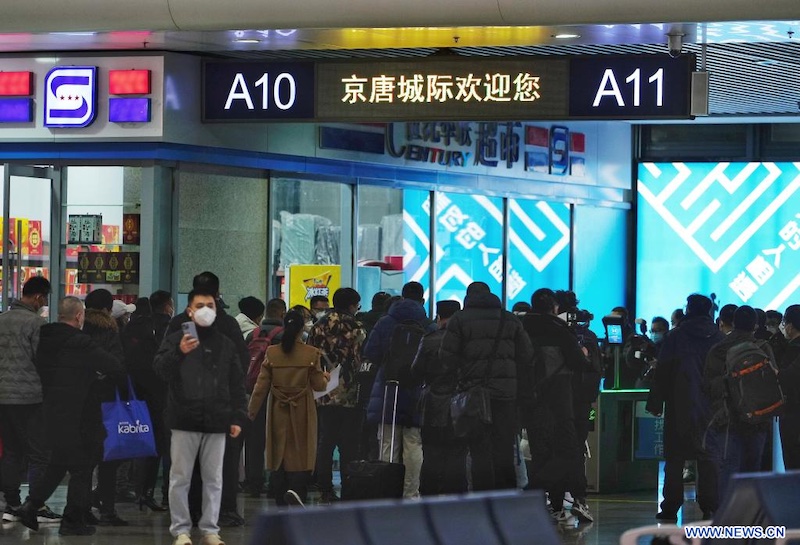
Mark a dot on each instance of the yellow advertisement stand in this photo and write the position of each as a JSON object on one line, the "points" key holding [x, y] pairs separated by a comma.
{"points": [[305, 281]]}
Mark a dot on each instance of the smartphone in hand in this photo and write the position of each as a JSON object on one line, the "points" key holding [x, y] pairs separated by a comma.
{"points": [[189, 328]]}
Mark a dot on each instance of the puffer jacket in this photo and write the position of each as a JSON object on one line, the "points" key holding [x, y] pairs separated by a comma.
{"points": [[377, 345], [19, 338], [470, 337], [339, 337], [206, 386], [104, 332]]}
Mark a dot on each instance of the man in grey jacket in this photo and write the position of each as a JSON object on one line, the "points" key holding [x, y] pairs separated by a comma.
{"points": [[21, 393]]}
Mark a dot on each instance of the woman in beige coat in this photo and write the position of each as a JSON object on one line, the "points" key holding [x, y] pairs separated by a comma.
{"points": [[291, 370]]}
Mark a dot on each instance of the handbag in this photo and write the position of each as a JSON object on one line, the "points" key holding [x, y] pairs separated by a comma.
{"points": [[129, 429], [470, 407]]}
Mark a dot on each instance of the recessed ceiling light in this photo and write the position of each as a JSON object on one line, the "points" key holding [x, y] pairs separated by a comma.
{"points": [[565, 36], [247, 41]]}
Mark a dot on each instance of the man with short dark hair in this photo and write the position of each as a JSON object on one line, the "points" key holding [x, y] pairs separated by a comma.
{"points": [[725, 318], [256, 439], [208, 282], [69, 362], [744, 443], [547, 407], [406, 440], [467, 347], [251, 310], [444, 460], [206, 404], [319, 305], [163, 307], [686, 408], [21, 394], [339, 336]]}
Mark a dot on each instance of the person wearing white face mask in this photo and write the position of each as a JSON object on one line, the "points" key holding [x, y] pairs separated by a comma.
{"points": [[208, 282], [206, 402], [319, 306]]}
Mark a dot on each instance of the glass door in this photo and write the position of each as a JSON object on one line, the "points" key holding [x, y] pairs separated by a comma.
{"points": [[29, 201]]}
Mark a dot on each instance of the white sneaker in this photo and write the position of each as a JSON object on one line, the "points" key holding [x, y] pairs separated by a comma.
{"points": [[564, 518], [182, 539], [581, 510], [211, 539]]}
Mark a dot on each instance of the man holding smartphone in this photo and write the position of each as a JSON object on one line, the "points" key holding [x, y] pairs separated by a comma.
{"points": [[206, 402]]}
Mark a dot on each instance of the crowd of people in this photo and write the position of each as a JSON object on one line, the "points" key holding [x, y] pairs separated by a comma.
{"points": [[289, 387]]}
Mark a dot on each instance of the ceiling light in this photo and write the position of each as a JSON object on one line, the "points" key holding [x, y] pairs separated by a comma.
{"points": [[247, 41], [565, 36]]}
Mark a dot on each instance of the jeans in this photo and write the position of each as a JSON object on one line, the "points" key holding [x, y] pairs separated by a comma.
{"points": [[741, 452], [338, 427], [184, 450], [408, 449], [23, 445]]}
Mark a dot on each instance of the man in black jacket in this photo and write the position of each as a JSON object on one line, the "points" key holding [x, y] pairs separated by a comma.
{"points": [[744, 443], [68, 362], [678, 395], [226, 324], [547, 407], [790, 382], [468, 348], [206, 403], [444, 461]]}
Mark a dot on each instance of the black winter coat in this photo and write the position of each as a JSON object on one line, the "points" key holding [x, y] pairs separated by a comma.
{"points": [[789, 375], [206, 386], [140, 346], [68, 362], [103, 330], [470, 337], [679, 383], [225, 324], [550, 335], [439, 380]]}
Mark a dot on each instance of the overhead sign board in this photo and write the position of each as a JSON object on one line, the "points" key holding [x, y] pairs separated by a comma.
{"points": [[443, 89], [451, 88], [246, 91], [630, 87]]}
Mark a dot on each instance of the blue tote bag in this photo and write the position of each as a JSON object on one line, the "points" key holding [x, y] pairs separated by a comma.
{"points": [[129, 430]]}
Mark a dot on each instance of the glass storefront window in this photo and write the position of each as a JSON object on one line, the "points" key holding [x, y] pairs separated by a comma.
{"points": [[311, 225], [101, 236], [28, 239], [469, 243], [538, 248], [380, 240]]}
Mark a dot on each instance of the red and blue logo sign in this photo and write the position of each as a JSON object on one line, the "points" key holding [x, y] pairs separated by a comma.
{"points": [[70, 98]]}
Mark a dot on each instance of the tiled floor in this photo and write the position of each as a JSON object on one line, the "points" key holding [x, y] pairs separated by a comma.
{"points": [[613, 515]]}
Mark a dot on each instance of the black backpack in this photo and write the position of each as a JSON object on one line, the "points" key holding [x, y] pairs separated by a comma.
{"points": [[403, 346], [754, 393]]}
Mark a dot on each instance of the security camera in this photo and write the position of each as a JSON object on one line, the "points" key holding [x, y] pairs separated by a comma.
{"points": [[675, 43]]}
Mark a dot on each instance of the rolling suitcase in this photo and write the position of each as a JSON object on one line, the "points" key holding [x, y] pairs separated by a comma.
{"points": [[376, 479]]}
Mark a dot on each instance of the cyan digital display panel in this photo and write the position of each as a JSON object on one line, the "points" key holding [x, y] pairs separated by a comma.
{"points": [[538, 248], [469, 243], [731, 229]]}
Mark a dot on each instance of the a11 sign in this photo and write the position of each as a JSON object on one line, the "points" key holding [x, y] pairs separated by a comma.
{"points": [[630, 87]]}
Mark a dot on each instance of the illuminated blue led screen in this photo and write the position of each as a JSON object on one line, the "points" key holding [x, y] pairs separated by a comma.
{"points": [[732, 229], [416, 238], [538, 248], [469, 243], [600, 252]]}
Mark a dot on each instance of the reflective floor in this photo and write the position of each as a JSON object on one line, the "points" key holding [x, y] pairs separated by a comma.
{"points": [[613, 515]]}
